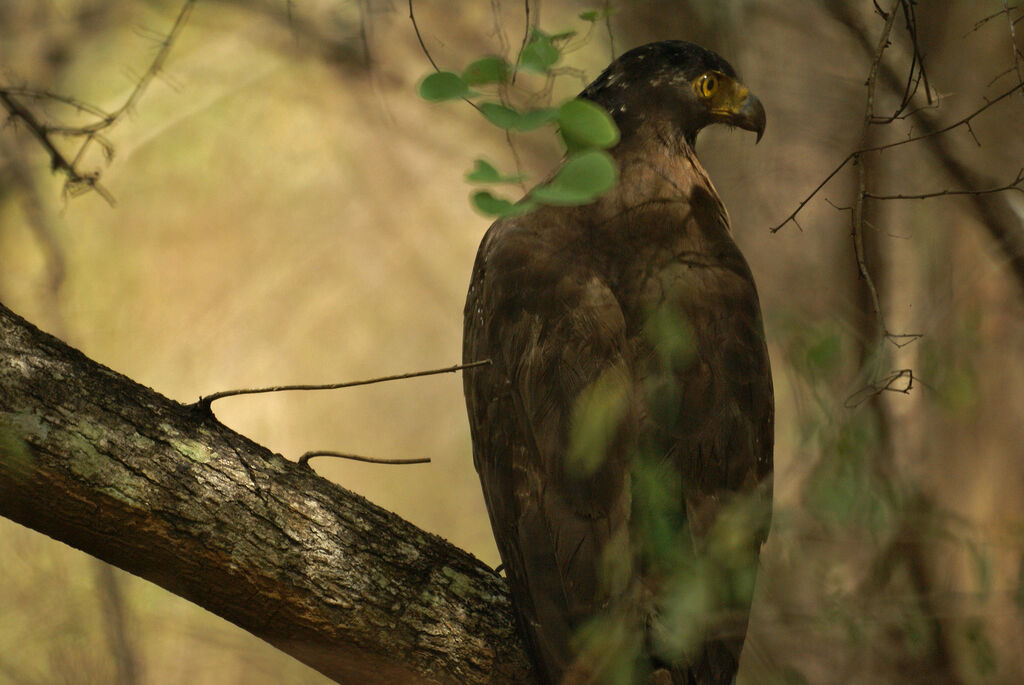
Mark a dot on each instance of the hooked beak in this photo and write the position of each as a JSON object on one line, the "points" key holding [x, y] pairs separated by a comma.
{"points": [[750, 116], [741, 108]]}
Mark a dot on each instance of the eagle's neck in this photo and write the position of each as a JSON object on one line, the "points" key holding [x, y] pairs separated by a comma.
{"points": [[656, 159], [664, 201]]}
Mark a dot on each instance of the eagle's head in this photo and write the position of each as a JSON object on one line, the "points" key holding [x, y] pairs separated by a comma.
{"points": [[690, 86]]}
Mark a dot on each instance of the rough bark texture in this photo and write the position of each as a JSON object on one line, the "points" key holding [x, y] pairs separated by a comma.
{"points": [[166, 492]]}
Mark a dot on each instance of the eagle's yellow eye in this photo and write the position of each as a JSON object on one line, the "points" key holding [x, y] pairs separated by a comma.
{"points": [[707, 84]]}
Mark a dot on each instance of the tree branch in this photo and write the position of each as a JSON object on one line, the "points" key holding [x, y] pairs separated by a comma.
{"points": [[1016, 184], [89, 133], [929, 135], [857, 216], [166, 492]]}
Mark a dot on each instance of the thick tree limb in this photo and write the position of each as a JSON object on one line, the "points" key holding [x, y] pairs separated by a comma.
{"points": [[166, 492]]}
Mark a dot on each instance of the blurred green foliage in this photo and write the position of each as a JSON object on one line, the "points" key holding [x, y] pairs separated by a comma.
{"points": [[595, 422], [700, 582]]}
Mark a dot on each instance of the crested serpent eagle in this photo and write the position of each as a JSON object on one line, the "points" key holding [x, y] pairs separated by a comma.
{"points": [[623, 431]]}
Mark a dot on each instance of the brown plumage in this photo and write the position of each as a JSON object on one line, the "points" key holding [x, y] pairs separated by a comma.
{"points": [[623, 432]]}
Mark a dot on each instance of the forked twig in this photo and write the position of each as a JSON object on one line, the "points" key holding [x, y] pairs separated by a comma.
{"points": [[78, 180], [878, 148]]}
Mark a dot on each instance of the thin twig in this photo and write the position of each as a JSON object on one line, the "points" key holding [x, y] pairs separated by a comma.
{"points": [[961, 122], [58, 162], [304, 459], [1013, 42], [887, 384], [911, 15], [1015, 184], [981, 22], [499, 28], [608, 25], [206, 401], [76, 179], [423, 46], [68, 100], [419, 37], [526, 37], [857, 218], [155, 67], [877, 148]]}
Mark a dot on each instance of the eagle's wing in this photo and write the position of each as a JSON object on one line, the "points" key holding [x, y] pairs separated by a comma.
{"points": [[552, 330]]}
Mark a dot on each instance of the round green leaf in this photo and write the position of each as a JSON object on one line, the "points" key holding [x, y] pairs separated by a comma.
{"points": [[508, 118], [499, 115], [825, 354], [563, 36], [444, 85], [596, 15], [484, 172], [535, 118], [539, 54], [581, 179], [584, 124], [487, 70], [488, 204]]}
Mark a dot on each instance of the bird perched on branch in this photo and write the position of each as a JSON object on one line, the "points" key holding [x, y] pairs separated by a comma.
{"points": [[623, 432]]}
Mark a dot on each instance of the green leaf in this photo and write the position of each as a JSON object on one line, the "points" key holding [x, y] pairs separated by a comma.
{"points": [[487, 70], [595, 422], [444, 85], [539, 53], [584, 124], [499, 115], [562, 36], [484, 172], [825, 354], [582, 178], [535, 118], [508, 118], [597, 15], [985, 659], [488, 204]]}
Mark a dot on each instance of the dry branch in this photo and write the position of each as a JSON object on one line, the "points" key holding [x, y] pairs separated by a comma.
{"points": [[166, 492]]}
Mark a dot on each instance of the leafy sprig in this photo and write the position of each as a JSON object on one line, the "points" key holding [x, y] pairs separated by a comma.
{"points": [[585, 129]]}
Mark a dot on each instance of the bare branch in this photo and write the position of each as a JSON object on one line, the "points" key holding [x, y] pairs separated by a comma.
{"points": [[304, 459], [70, 101], [1013, 42], [878, 148], [981, 22], [857, 217], [419, 37], [1016, 184], [152, 486], [901, 381], [205, 401], [522, 45], [77, 180], [58, 162], [155, 67], [608, 26]]}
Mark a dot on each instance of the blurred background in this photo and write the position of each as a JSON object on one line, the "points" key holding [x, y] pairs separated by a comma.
{"points": [[289, 211]]}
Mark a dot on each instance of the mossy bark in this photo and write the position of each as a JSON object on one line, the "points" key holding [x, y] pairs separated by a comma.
{"points": [[165, 491]]}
